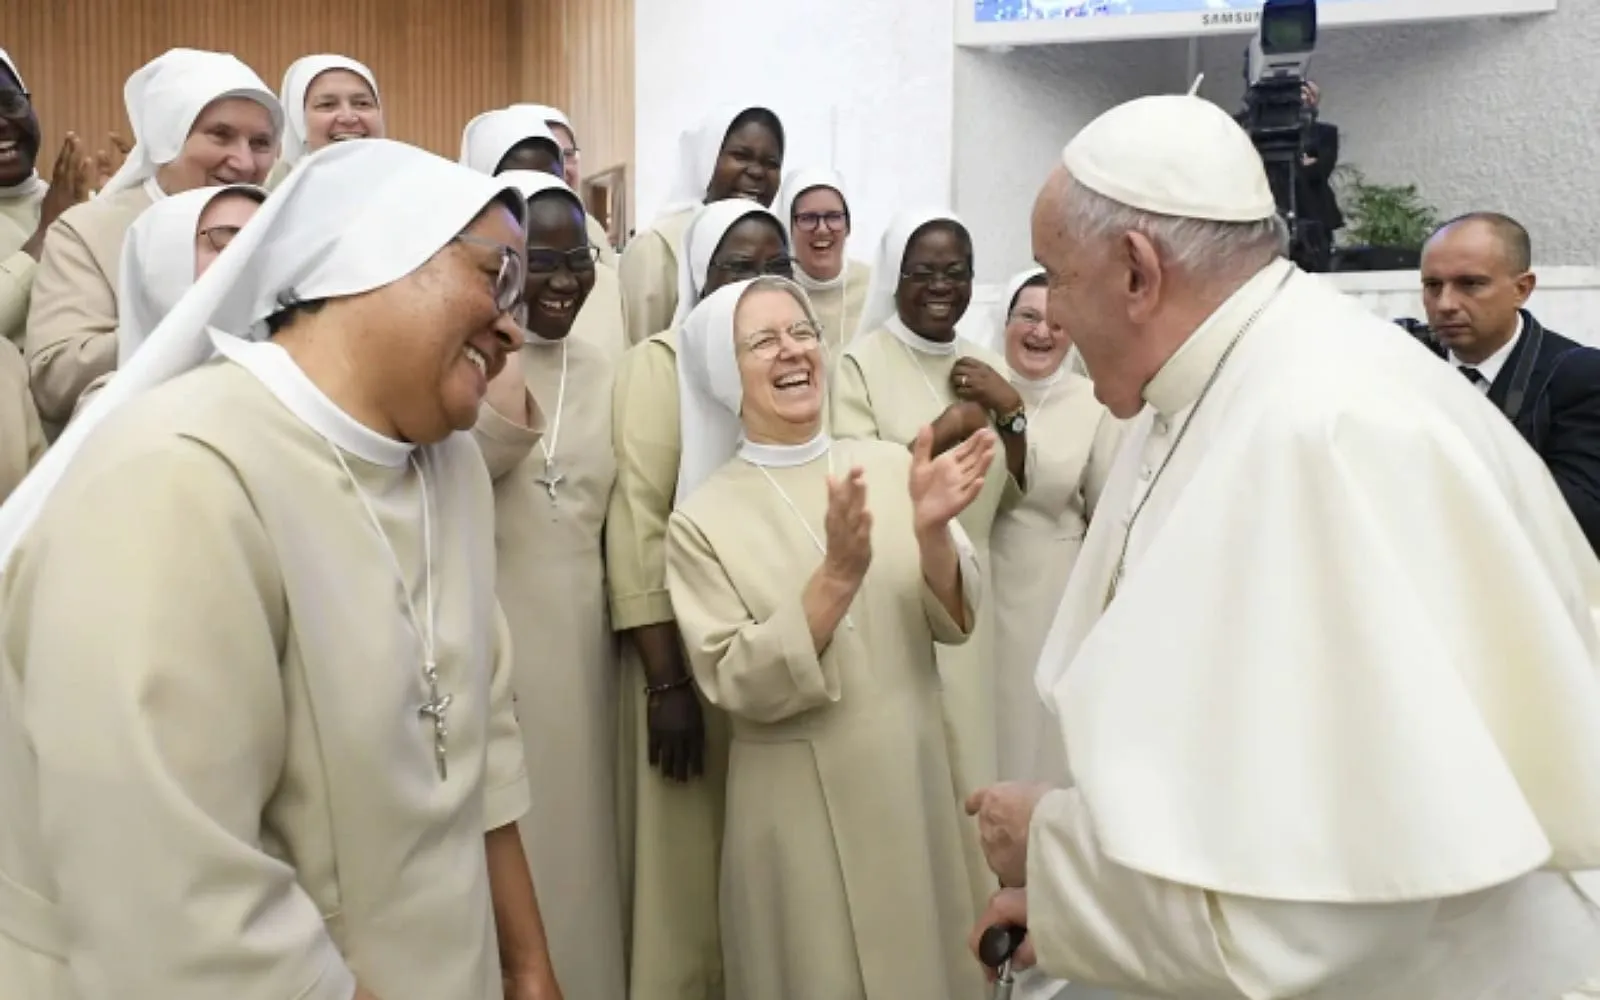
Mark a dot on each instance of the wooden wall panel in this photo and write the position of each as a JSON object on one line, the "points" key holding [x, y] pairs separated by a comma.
{"points": [[437, 64], [578, 56]]}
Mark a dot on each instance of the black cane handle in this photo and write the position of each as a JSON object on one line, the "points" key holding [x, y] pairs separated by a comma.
{"points": [[999, 943]]}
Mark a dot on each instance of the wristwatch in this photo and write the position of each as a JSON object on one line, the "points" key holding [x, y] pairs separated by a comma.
{"points": [[1015, 422]]}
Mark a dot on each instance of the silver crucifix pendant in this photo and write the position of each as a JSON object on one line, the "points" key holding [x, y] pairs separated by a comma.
{"points": [[551, 479], [435, 708]]}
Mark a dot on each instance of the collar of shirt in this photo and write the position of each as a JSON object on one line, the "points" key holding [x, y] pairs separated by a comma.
{"points": [[1179, 382], [1490, 367]]}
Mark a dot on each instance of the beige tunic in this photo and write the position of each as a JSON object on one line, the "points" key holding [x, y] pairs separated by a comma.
{"points": [[845, 863], [19, 217], [671, 832], [839, 308], [648, 268], [72, 320], [601, 321], [21, 437], [1072, 440], [552, 587], [886, 390], [238, 794]]}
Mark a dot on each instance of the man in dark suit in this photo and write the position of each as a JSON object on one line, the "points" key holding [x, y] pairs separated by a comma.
{"points": [[1475, 281], [1314, 197]]}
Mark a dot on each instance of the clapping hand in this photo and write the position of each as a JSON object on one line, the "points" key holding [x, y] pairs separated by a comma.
{"points": [[942, 487], [849, 527]]}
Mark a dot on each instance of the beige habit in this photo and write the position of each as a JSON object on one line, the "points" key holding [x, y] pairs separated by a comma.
{"points": [[671, 832], [889, 385], [550, 510], [648, 270]]}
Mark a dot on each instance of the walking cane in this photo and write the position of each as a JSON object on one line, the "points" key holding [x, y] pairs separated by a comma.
{"points": [[995, 949]]}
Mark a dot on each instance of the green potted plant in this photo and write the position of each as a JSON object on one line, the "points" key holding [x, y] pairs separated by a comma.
{"points": [[1386, 223]]}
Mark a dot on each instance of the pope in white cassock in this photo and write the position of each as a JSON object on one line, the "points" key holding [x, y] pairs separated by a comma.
{"points": [[257, 738], [1326, 667]]}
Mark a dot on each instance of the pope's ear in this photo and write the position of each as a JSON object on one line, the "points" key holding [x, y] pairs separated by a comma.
{"points": [[1142, 261]]}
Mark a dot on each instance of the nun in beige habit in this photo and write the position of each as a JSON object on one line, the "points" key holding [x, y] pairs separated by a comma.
{"points": [[672, 750], [813, 206], [167, 249], [517, 138], [907, 368], [284, 761], [326, 98], [811, 579], [1072, 440], [571, 171], [178, 104], [550, 510], [735, 153]]}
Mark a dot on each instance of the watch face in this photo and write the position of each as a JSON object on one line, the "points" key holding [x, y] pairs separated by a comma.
{"points": [[1018, 424]]}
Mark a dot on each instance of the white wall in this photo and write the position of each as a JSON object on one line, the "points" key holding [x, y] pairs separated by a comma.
{"points": [[1490, 114], [865, 84]]}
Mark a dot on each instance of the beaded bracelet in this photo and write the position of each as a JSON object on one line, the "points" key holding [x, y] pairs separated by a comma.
{"points": [[672, 685]]}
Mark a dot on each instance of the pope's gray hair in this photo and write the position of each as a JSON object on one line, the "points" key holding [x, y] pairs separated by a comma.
{"points": [[1201, 247]]}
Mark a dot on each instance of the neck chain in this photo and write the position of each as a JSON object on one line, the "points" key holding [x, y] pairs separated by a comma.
{"points": [[795, 510], [938, 400], [1205, 390], [552, 478], [435, 707]]}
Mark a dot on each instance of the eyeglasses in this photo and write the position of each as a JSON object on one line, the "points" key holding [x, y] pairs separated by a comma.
{"points": [[742, 269], [955, 274], [570, 155], [220, 236], [809, 221], [511, 276], [1027, 317], [768, 344], [15, 103], [547, 260]]}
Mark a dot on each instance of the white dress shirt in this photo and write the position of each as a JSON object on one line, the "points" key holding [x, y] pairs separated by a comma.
{"points": [[1490, 367]]}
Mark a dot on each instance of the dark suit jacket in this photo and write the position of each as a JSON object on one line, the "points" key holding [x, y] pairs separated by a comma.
{"points": [[1560, 416]]}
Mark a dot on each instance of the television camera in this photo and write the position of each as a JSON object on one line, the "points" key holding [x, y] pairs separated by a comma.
{"points": [[1279, 120]]}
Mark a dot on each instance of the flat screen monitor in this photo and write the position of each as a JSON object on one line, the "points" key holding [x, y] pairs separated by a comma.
{"points": [[1051, 22]]}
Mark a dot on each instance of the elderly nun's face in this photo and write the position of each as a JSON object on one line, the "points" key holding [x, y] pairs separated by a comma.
{"points": [[430, 342], [340, 105], [780, 367], [821, 224], [19, 131], [1034, 347], [749, 165], [539, 155], [219, 224], [935, 281], [560, 264], [232, 142], [751, 247]]}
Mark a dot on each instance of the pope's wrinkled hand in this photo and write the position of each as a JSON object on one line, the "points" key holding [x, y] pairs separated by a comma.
{"points": [[1007, 908], [1004, 812]]}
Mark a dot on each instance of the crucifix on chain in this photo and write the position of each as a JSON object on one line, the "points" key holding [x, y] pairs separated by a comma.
{"points": [[435, 708], [551, 479]]}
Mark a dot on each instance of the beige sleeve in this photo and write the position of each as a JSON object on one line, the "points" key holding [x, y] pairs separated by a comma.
{"points": [[505, 776], [1093, 920], [16, 289], [649, 275], [505, 443], [644, 429], [160, 735], [850, 405], [766, 671], [1102, 456], [946, 630], [72, 323]]}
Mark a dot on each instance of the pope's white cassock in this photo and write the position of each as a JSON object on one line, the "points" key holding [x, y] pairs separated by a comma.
{"points": [[1335, 733], [215, 774]]}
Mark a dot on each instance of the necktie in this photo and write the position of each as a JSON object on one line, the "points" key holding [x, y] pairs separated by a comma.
{"points": [[1473, 375]]}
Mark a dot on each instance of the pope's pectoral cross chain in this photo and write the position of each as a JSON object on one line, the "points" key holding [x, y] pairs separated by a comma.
{"points": [[434, 709]]}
